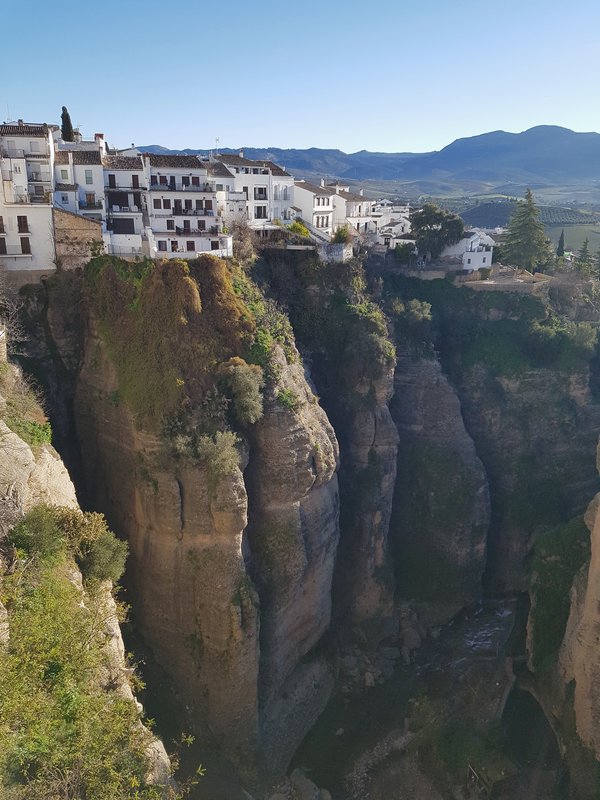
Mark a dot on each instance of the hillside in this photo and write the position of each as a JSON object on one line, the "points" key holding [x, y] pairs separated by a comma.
{"points": [[546, 154], [497, 214]]}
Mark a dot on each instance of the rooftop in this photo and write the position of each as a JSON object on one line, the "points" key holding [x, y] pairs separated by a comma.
{"points": [[176, 162], [235, 160], [312, 187], [80, 157], [122, 162], [23, 129]]}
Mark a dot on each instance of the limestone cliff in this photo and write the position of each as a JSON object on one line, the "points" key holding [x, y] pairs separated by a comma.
{"points": [[230, 572], [441, 505], [33, 475]]}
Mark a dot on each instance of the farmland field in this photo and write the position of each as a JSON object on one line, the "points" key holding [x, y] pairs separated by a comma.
{"points": [[575, 235]]}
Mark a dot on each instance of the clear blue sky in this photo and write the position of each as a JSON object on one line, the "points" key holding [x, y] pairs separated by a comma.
{"points": [[389, 75]]}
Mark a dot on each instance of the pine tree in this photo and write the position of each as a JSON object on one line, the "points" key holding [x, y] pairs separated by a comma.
{"points": [[66, 128], [526, 244], [560, 250], [584, 262]]}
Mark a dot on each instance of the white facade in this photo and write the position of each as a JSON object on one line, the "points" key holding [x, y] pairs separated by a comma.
{"points": [[352, 210], [26, 228], [475, 250], [267, 189], [315, 204], [394, 233], [182, 208]]}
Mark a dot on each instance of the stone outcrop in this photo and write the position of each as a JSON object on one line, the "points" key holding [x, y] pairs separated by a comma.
{"points": [[241, 660], [535, 434], [441, 504], [35, 476]]}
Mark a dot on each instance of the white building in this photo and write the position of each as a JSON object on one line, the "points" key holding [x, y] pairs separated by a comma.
{"points": [[182, 208], [315, 207], [125, 191], [351, 210], [26, 227], [267, 189], [475, 250], [395, 232]]}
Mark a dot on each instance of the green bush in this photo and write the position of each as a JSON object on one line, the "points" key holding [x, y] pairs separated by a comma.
{"points": [[47, 532], [33, 433], [299, 228], [342, 235], [245, 382], [288, 399], [219, 454]]}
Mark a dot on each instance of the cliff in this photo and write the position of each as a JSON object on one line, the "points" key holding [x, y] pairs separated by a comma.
{"points": [[35, 489]]}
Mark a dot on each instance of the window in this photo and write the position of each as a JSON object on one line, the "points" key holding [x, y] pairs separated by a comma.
{"points": [[153, 180], [214, 245], [260, 193], [135, 181], [64, 174], [198, 205], [162, 180], [25, 246], [219, 187], [156, 203], [185, 181], [468, 260], [208, 205], [190, 246], [170, 224], [484, 259], [260, 212], [2, 247], [22, 225], [64, 198], [162, 246], [201, 225], [112, 181], [187, 204], [195, 180], [166, 203], [1, 225], [89, 177]]}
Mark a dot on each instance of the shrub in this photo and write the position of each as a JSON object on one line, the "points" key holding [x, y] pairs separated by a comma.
{"points": [[485, 273], [299, 228], [219, 454], [342, 235], [33, 433], [48, 531], [288, 399], [245, 382]]}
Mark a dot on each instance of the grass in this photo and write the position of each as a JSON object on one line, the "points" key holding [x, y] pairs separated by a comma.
{"points": [[575, 236]]}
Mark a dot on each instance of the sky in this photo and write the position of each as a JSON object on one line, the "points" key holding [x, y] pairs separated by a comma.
{"points": [[384, 75]]}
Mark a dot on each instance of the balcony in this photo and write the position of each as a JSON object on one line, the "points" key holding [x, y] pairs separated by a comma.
{"points": [[124, 210], [260, 195], [115, 250], [87, 206], [25, 199], [213, 231], [11, 152], [168, 187], [125, 188], [192, 212]]}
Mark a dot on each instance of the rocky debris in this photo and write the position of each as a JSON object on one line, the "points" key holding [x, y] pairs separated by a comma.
{"points": [[299, 787], [358, 779]]}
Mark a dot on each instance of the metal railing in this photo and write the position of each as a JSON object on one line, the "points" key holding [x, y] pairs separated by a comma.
{"points": [[193, 212], [86, 205], [197, 232], [127, 188], [26, 199], [115, 250], [179, 187]]}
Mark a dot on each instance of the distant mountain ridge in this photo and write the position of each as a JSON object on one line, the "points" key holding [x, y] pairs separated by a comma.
{"points": [[545, 155]]}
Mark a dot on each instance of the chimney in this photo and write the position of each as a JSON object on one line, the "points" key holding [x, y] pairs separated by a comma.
{"points": [[20, 123], [98, 136], [361, 192], [322, 181], [241, 154]]}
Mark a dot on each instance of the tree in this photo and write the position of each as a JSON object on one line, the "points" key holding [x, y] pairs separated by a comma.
{"points": [[66, 128], [584, 263], [526, 244], [435, 229], [560, 250]]}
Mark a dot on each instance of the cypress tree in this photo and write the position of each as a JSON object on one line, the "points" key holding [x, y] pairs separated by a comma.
{"points": [[583, 260], [66, 128], [526, 244], [560, 250]]}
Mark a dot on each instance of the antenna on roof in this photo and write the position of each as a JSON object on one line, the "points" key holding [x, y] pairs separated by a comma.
{"points": [[217, 140]]}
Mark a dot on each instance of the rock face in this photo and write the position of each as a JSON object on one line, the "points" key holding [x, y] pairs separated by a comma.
{"points": [[535, 435], [242, 661], [441, 504], [31, 477], [579, 658]]}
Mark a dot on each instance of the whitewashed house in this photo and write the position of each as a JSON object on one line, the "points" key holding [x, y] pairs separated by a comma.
{"points": [[395, 232], [315, 207], [267, 189], [475, 250], [125, 191], [351, 210], [182, 208], [26, 227]]}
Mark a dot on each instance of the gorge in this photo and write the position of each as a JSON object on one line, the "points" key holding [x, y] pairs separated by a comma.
{"points": [[318, 468]]}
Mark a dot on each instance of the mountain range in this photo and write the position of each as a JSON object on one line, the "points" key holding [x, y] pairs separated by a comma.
{"points": [[541, 156]]}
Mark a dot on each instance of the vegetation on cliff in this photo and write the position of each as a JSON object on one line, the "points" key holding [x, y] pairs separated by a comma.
{"points": [[63, 732]]}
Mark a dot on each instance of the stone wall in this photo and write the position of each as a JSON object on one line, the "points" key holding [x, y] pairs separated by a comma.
{"points": [[72, 236]]}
